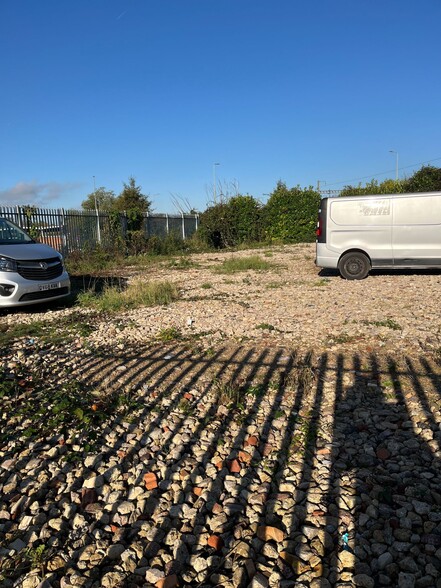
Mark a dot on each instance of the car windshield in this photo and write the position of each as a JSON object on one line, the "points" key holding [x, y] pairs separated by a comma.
{"points": [[10, 234]]}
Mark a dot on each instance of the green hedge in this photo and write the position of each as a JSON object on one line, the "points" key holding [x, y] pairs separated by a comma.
{"points": [[290, 216]]}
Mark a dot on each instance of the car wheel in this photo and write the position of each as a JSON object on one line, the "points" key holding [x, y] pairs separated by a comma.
{"points": [[354, 266]]}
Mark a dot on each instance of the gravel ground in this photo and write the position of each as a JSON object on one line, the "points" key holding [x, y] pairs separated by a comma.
{"points": [[293, 303], [290, 438]]}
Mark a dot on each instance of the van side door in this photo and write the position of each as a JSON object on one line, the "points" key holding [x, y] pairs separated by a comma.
{"points": [[416, 232]]}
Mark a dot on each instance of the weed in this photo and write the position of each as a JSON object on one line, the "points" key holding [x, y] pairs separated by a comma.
{"points": [[321, 282], [182, 263], [206, 285], [185, 407], [274, 285], [169, 334], [229, 393], [342, 338], [257, 390], [302, 377], [266, 326], [387, 383], [389, 323], [36, 555], [242, 264]]}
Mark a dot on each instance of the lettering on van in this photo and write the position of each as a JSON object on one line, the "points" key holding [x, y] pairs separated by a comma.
{"points": [[375, 208]]}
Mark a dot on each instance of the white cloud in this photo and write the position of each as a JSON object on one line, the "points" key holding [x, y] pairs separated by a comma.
{"points": [[35, 193]]}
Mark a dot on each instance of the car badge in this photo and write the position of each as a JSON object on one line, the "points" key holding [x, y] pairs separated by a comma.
{"points": [[43, 265]]}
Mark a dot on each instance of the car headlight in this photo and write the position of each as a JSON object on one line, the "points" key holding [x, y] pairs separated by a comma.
{"points": [[7, 265]]}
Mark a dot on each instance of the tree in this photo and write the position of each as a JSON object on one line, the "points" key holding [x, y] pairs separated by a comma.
{"points": [[426, 179], [132, 199], [134, 204], [104, 199]]}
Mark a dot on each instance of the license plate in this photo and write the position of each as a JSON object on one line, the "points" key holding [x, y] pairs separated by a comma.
{"points": [[49, 286]]}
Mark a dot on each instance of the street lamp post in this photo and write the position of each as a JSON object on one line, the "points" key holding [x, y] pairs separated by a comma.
{"points": [[214, 181], [396, 162]]}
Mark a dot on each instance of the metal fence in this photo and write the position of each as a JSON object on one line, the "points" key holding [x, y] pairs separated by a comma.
{"points": [[82, 230]]}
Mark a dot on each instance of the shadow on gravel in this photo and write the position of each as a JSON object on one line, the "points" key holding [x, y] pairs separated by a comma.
{"points": [[240, 467]]}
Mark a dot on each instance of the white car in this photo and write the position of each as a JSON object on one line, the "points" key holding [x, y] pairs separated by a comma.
{"points": [[30, 272]]}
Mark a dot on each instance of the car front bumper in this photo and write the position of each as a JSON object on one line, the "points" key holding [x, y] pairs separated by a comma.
{"points": [[23, 292]]}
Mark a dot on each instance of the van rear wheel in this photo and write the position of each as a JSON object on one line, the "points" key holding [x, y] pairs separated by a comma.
{"points": [[354, 266]]}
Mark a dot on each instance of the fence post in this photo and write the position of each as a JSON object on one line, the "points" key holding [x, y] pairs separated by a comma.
{"points": [[196, 218], [183, 226], [166, 224], [98, 228], [63, 233], [18, 214]]}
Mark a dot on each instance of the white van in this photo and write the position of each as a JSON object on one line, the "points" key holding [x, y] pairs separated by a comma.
{"points": [[358, 233]]}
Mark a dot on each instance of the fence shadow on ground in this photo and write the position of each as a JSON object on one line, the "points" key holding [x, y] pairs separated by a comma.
{"points": [[272, 464]]}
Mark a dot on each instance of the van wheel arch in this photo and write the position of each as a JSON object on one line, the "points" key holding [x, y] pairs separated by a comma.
{"points": [[354, 264]]}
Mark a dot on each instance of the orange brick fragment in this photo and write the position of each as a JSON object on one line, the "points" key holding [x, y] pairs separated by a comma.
{"points": [[324, 451], [219, 465], [168, 582], [235, 466], [215, 542], [188, 396], [252, 440], [151, 481], [197, 491], [244, 457]]}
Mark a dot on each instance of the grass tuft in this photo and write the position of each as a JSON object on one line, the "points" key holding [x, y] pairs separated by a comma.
{"points": [[113, 299], [243, 264]]}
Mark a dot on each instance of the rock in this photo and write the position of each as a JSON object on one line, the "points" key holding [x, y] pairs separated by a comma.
{"points": [[364, 581], [115, 551], [268, 533], [406, 580]]}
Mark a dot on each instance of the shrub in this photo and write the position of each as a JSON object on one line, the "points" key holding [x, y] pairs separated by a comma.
{"points": [[290, 215], [426, 179], [373, 187], [230, 223]]}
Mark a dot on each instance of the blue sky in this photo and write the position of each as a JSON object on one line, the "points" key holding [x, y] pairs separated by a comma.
{"points": [[163, 89]]}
